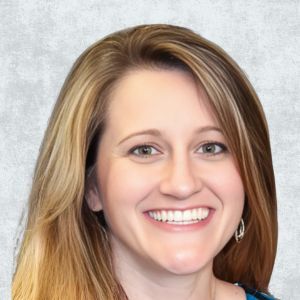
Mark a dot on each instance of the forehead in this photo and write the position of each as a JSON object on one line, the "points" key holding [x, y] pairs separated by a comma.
{"points": [[155, 97]]}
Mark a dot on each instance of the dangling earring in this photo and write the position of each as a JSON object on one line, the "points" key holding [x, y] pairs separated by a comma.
{"points": [[103, 230], [239, 233]]}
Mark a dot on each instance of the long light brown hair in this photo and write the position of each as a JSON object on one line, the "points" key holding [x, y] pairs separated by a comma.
{"points": [[64, 253]]}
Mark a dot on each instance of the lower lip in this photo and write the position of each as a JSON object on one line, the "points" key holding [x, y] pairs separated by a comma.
{"points": [[182, 227]]}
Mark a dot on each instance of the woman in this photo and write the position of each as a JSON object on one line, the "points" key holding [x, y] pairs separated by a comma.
{"points": [[154, 178]]}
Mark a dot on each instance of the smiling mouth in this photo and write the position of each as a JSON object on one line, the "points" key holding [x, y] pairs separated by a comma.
{"points": [[180, 217]]}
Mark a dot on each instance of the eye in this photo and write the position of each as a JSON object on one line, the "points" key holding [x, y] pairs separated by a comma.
{"points": [[143, 150], [213, 148]]}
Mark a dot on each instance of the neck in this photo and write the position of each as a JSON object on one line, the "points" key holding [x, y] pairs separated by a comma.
{"points": [[147, 282]]}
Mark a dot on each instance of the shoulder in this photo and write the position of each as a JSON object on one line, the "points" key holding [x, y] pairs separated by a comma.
{"points": [[253, 294]]}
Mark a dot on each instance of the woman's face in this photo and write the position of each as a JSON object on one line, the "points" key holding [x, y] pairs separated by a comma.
{"points": [[169, 188]]}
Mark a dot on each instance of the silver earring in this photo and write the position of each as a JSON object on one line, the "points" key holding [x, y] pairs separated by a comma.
{"points": [[103, 230], [239, 233]]}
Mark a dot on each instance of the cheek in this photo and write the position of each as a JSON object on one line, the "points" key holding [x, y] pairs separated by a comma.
{"points": [[124, 184], [229, 183]]}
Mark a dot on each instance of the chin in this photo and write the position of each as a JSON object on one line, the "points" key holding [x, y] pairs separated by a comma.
{"points": [[184, 264]]}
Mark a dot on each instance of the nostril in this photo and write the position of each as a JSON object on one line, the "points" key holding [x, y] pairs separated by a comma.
{"points": [[181, 189]]}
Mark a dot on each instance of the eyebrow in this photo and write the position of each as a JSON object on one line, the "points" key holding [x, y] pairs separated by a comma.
{"points": [[156, 132]]}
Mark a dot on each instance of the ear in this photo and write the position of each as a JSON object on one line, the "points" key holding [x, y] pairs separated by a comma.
{"points": [[92, 194]]}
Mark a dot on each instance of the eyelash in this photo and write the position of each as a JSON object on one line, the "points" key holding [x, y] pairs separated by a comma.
{"points": [[208, 143]]}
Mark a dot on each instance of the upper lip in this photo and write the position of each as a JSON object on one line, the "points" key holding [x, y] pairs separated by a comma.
{"points": [[180, 208]]}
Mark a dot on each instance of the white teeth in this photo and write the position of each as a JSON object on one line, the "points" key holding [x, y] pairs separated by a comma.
{"points": [[158, 216], [170, 216], [184, 222], [194, 214], [177, 216], [199, 213], [205, 213], [164, 216], [188, 216]]}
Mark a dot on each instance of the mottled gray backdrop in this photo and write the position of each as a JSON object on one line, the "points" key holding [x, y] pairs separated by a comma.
{"points": [[41, 39]]}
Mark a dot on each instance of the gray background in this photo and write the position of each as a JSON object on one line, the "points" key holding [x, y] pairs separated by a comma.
{"points": [[41, 39]]}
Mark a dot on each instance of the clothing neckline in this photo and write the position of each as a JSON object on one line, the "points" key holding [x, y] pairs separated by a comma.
{"points": [[253, 294]]}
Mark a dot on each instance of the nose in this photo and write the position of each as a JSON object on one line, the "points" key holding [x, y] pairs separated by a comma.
{"points": [[180, 179]]}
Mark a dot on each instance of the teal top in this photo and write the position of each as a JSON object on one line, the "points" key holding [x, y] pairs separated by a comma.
{"points": [[251, 297], [253, 294]]}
